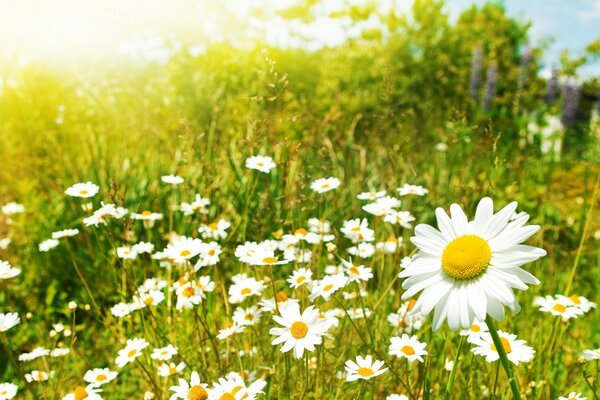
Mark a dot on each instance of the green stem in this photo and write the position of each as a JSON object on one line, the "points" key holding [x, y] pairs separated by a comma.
{"points": [[503, 359], [452, 377]]}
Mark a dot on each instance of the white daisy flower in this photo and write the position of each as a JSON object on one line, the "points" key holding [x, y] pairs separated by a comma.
{"points": [[357, 273], [35, 353], [143, 247], [390, 246], [573, 396], [195, 390], [300, 331], [89, 392], [300, 277], [172, 179], [362, 250], [397, 397], [215, 230], [562, 307], [132, 350], [164, 353], [4, 242], [516, 350], [364, 368], [243, 288], [234, 387], [382, 206], [126, 253], [12, 208], [120, 310], [170, 369], [229, 331], [327, 286], [319, 226], [183, 248], [325, 184], [83, 190], [402, 218], [358, 230], [407, 347], [260, 163], [407, 189], [146, 215], [99, 376], [7, 271], [467, 270], [246, 316], [245, 252], [38, 376], [60, 352], [580, 302], [8, 390], [475, 331], [65, 233], [197, 206], [371, 195], [48, 245], [590, 354]]}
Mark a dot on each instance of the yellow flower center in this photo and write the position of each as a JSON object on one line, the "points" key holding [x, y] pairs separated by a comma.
{"points": [[559, 308], [391, 240], [80, 393], [300, 279], [211, 252], [213, 226], [575, 299], [185, 253], [411, 304], [466, 257], [269, 260], [149, 301], [281, 296], [188, 291], [227, 396], [101, 378], [172, 370], [147, 213], [248, 317], [366, 372], [197, 393], [408, 350], [246, 291], [505, 344], [353, 270], [475, 328], [300, 231], [356, 229], [325, 186], [260, 164], [299, 329], [328, 288], [83, 192], [132, 353]]}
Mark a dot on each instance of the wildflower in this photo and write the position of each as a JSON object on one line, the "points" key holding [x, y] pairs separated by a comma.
{"points": [[101, 215], [402, 218], [300, 277], [474, 265], [48, 245], [407, 347], [371, 195], [300, 331], [172, 179], [193, 292], [260, 163], [364, 368], [244, 287], [83, 190], [580, 302], [246, 316], [215, 230], [132, 350], [89, 392], [197, 206], [60, 352], [33, 354], [126, 253], [357, 273], [230, 330], [573, 396], [281, 299], [404, 320], [170, 369], [382, 206], [233, 387], [147, 215], [143, 247], [390, 245], [266, 257], [183, 248], [475, 331], [38, 376], [563, 307], [362, 250], [358, 230], [164, 353], [591, 354], [245, 252], [516, 350], [120, 310], [99, 376], [8, 390], [407, 189], [4, 242], [325, 184], [6, 271], [396, 397], [209, 255], [65, 233], [327, 286]]}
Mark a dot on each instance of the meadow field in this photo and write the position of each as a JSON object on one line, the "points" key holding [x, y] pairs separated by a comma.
{"points": [[411, 216]]}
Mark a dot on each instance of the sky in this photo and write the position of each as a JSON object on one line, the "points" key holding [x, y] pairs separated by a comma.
{"points": [[68, 30]]}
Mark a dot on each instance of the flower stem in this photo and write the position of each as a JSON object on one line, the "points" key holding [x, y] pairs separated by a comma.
{"points": [[452, 377], [503, 359]]}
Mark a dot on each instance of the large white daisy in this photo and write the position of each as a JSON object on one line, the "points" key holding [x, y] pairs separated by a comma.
{"points": [[467, 269]]}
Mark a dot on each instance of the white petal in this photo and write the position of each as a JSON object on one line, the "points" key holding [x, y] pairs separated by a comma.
{"points": [[460, 222]]}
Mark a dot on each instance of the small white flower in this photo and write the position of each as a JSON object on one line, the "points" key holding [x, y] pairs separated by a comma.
{"points": [[8, 320], [99, 376], [407, 189], [364, 368], [12, 208], [132, 350], [48, 245], [83, 190], [516, 350], [407, 347], [325, 184], [164, 353], [172, 179], [260, 163], [65, 233]]}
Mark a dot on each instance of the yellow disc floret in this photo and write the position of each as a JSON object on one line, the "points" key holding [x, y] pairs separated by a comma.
{"points": [[466, 257], [299, 329]]}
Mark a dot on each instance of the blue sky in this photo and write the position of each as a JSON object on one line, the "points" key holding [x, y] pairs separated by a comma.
{"points": [[571, 23]]}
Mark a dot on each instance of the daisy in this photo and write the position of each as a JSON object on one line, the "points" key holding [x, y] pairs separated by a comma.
{"points": [[195, 390], [390, 245], [397, 397], [8, 390], [172, 179], [407, 347], [12, 208], [170, 369], [164, 353], [245, 252], [246, 316], [281, 299], [300, 277], [358, 230], [183, 248], [327, 286], [319, 226], [467, 270], [402, 218], [65, 233], [99, 376], [60, 352], [210, 254], [412, 189], [230, 330], [562, 307], [126, 253], [120, 310], [363, 368], [189, 294], [516, 350], [35, 353], [38, 376], [143, 247], [382, 206], [580, 302], [371, 195], [89, 392], [4, 242], [243, 288], [146, 215], [325, 184], [573, 396], [132, 350], [215, 230], [362, 250], [233, 386], [83, 190], [197, 206], [300, 331], [404, 320], [357, 273], [266, 257], [591, 354], [6, 271], [260, 163], [475, 331], [48, 245]]}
